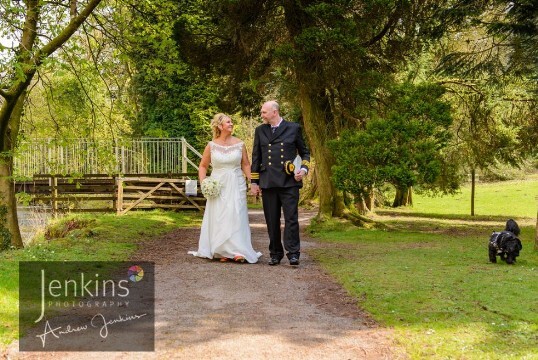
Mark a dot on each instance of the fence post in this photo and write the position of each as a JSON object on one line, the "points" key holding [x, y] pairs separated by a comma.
{"points": [[183, 155], [536, 231], [115, 193], [53, 182], [122, 159], [116, 155], [49, 157], [119, 201]]}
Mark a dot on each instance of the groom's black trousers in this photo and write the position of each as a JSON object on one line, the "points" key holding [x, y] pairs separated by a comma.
{"points": [[287, 199]]}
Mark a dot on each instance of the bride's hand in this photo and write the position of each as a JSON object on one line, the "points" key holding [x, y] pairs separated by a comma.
{"points": [[254, 189], [299, 176]]}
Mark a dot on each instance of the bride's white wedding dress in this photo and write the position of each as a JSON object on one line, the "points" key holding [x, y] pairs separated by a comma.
{"points": [[225, 229]]}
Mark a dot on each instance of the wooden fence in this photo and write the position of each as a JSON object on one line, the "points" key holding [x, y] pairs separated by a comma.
{"points": [[103, 193]]}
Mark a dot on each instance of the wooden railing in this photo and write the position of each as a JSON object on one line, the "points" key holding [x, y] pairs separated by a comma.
{"points": [[103, 193], [121, 156]]}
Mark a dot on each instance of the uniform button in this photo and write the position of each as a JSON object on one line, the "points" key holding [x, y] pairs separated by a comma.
{"points": [[281, 156], [269, 157], [269, 163], [269, 150], [281, 143], [269, 145], [282, 162], [282, 150]]}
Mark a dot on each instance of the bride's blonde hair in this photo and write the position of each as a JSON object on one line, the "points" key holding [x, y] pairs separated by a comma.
{"points": [[217, 120]]}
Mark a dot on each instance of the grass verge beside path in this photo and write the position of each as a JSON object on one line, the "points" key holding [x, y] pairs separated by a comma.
{"points": [[430, 279], [509, 199], [82, 238]]}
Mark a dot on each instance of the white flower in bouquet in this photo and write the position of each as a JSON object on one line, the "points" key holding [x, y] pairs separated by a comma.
{"points": [[210, 188]]}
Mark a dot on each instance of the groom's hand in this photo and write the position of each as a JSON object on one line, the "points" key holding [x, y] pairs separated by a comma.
{"points": [[255, 189], [299, 176]]}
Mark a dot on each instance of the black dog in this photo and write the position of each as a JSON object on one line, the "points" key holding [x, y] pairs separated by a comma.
{"points": [[506, 243]]}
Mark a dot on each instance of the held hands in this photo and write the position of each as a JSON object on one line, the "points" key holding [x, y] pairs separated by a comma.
{"points": [[255, 189], [299, 176]]}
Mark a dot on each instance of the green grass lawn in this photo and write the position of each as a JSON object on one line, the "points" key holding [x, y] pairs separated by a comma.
{"points": [[430, 279], [91, 238], [508, 199]]}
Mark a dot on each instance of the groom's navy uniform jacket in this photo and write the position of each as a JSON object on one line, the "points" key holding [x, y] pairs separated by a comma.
{"points": [[272, 150], [270, 154]]}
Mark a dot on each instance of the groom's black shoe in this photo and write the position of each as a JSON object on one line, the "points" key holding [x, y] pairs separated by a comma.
{"points": [[274, 261], [294, 260]]}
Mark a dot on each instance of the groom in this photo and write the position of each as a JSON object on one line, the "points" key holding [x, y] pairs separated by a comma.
{"points": [[276, 144]]}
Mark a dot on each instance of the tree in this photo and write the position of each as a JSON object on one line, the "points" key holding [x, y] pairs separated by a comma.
{"points": [[172, 98], [515, 23], [484, 134], [332, 58], [516, 26], [490, 93], [72, 101], [402, 145], [45, 28], [498, 46]]}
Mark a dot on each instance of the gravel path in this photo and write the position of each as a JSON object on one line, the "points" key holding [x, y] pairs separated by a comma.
{"points": [[211, 310]]}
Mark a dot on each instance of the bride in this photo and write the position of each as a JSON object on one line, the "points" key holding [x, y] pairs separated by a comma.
{"points": [[225, 232]]}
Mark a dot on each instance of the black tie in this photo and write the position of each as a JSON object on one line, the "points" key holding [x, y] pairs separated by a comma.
{"points": [[273, 129]]}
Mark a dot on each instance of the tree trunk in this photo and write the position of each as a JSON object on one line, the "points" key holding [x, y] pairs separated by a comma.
{"points": [[473, 186], [13, 110], [365, 204], [73, 8], [404, 197], [316, 111], [331, 202], [536, 232], [361, 207], [370, 200], [9, 225]]}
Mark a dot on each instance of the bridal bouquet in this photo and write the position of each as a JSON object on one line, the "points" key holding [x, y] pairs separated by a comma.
{"points": [[210, 188]]}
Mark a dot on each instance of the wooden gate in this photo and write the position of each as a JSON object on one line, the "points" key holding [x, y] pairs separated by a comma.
{"points": [[150, 192]]}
